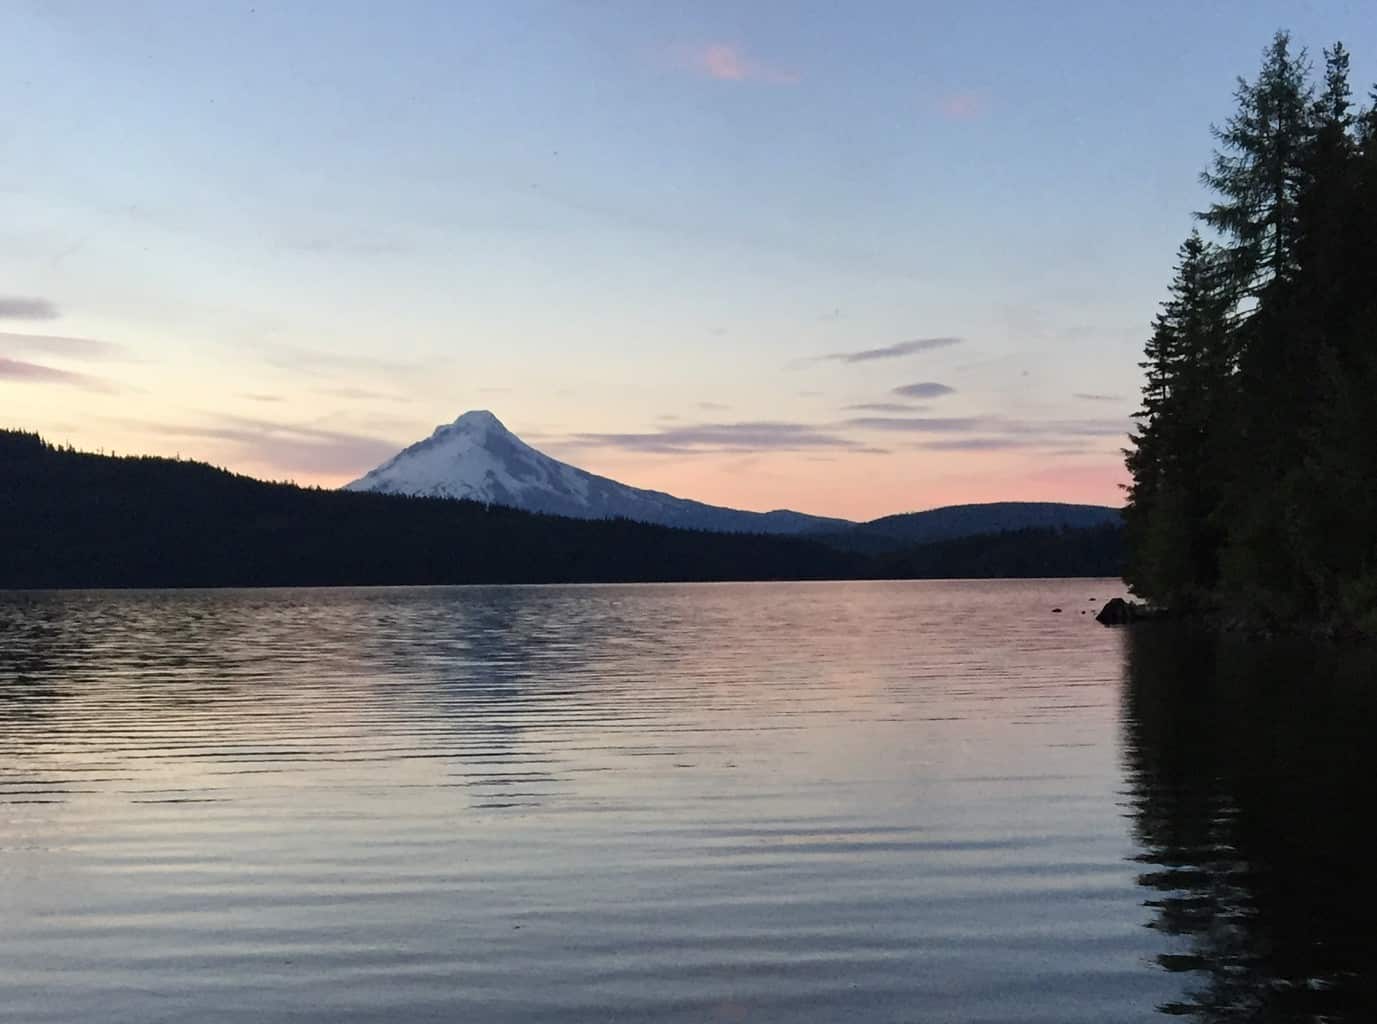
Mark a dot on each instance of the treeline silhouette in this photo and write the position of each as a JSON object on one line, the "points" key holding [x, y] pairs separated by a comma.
{"points": [[1254, 466], [76, 519], [1011, 554], [908, 529]]}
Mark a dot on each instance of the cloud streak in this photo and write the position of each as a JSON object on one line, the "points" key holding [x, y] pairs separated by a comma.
{"points": [[1090, 397], [895, 351], [933, 433], [702, 438], [923, 424], [924, 389], [17, 307], [992, 444], [726, 62], [291, 448], [35, 373], [360, 394], [884, 407], [57, 345], [318, 363], [995, 425]]}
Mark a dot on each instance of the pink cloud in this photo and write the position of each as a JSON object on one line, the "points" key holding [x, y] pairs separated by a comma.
{"points": [[727, 63], [962, 106]]}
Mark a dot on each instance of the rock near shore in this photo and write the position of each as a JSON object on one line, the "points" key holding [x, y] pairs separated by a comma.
{"points": [[1118, 612]]}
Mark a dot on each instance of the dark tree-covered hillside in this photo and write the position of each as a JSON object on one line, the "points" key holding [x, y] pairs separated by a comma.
{"points": [[74, 519], [955, 521], [1034, 553]]}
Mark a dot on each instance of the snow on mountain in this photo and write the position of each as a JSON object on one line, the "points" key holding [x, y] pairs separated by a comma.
{"points": [[477, 458]]}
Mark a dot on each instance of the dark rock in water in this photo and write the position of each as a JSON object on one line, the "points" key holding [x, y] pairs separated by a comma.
{"points": [[1056, 611], [1119, 612]]}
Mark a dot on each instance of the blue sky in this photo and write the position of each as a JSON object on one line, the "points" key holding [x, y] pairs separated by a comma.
{"points": [[290, 238]]}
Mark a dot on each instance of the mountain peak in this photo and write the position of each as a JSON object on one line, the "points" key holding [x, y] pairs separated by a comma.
{"points": [[478, 458], [476, 421], [478, 418]]}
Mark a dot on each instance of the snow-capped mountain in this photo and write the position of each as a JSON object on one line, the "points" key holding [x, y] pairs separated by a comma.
{"points": [[476, 457]]}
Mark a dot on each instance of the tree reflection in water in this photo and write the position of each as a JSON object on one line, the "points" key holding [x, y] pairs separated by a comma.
{"points": [[1252, 773]]}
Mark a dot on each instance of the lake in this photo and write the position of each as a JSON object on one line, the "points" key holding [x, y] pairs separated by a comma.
{"points": [[923, 801]]}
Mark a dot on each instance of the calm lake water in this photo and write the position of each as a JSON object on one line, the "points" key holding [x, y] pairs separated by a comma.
{"points": [[931, 801]]}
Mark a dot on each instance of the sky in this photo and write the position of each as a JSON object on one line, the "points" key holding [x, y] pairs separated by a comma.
{"points": [[848, 258]]}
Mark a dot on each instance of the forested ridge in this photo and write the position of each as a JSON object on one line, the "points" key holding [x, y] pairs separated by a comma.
{"points": [[1253, 468], [76, 519]]}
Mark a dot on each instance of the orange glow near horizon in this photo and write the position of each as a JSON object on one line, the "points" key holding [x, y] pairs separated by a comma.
{"points": [[863, 487], [858, 487]]}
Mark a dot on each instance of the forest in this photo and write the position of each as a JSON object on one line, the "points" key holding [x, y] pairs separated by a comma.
{"points": [[1253, 494], [77, 519]]}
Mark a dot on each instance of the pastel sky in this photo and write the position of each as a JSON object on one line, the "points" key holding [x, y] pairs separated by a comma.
{"points": [[851, 259]]}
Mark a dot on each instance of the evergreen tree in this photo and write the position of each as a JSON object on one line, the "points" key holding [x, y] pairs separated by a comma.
{"points": [[1256, 174], [1337, 287], [1178, 457], [1261, 176], [1255, 464], [1321, 299]]}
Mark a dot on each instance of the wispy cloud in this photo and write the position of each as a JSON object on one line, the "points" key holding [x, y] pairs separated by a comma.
{"points": [[25, 372], [314, 361], [360, 394], [713, 406], [984, 444], [727, 62], [253, 396], [923, 424], [1090, 397], [901, 348], [962, 106], [1087, 428], [884, 407], [995, 426], [924, 389], [17, 307], [703, 438], [57, 345], [290, 448]]}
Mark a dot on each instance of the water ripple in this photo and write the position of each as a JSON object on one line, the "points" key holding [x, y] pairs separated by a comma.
{"points": [[868, 802]]}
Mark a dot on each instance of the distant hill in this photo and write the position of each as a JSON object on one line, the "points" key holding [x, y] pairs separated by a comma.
{"points": [[892, 533], [479, 459], [74, 519], [1037, 552]]}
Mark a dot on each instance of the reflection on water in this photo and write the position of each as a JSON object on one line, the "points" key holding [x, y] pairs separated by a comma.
{"points": [[1253, 772], [822, 802]]}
